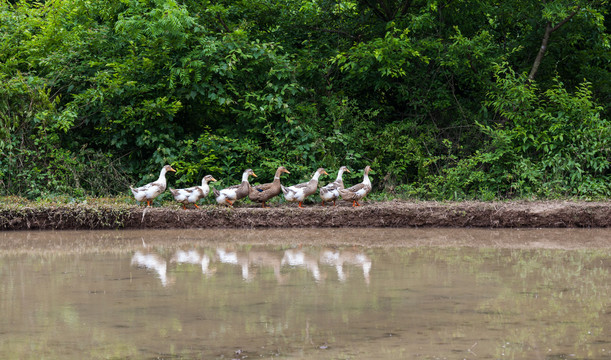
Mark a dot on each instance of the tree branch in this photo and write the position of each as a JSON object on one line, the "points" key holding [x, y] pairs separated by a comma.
{"points": [[388, 15], [446, 5], [542, 49], [565, 20], [473, 68], [406, 5], [375, 9], [220, 19], [549, 29]]}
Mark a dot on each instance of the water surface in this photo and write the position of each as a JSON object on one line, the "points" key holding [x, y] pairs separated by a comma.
{"points": [[306, 293]]}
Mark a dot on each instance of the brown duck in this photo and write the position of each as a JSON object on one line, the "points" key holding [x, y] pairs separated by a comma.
{"points": [[264, 192]]}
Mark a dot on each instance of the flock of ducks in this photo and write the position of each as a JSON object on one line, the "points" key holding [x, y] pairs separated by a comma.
{"points": [[260, 193]]}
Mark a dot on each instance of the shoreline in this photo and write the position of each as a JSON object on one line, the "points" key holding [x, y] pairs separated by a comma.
{"points": [[389, 214]]}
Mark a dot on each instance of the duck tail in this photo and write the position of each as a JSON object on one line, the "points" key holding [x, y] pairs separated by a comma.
{"points": [[216, 192]]}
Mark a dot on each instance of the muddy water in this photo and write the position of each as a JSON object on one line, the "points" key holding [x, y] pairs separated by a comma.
{"points": [[309, 293]]}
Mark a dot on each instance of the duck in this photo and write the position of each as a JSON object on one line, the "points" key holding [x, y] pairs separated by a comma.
{"points": [[358, 191], [330, 192], [193, 194], [229, 195], [301, 191], [264, 192], [150, 191]]}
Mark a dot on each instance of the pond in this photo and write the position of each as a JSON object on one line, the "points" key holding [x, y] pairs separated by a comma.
{"points": [[306, 293]]}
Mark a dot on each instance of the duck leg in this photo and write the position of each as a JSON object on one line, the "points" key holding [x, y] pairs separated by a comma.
{"points": [[323, 203], [300, 205], [196, 206]]}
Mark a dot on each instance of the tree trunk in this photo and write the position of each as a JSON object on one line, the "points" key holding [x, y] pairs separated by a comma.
{"points": [[548, 32], [535, 67]]}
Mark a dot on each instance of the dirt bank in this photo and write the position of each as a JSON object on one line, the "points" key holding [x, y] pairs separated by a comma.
{"points": [[558, 214]]}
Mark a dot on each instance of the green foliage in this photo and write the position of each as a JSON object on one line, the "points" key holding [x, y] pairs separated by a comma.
{"points": [[34, 162], [559, 141], [96, 95], [547, 143]]}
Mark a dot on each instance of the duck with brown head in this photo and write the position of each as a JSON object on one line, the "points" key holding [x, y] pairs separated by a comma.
{"points": [[262, 193]]}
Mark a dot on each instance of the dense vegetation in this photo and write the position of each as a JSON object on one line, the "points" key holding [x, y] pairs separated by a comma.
{"points": [[445, 99]]}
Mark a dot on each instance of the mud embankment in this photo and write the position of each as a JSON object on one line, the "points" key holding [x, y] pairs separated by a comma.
{"points": [[556, 214]]}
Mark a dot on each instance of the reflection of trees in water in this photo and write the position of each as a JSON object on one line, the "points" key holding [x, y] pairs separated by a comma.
{"points": [[539, 297], [535, 298], [515, 303], [253, 259], [566, 291]]}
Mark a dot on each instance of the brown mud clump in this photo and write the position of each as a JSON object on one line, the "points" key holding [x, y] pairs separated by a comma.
{"points": [[393, 214]]}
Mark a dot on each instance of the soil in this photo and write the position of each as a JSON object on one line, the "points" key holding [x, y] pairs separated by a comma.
{"points": [[393, 214]]}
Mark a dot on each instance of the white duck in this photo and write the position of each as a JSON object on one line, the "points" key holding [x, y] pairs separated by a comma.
{"points": [[150, 191], [330, 192], [301, 191], [193, 194], [358, 191], [235, 192]]}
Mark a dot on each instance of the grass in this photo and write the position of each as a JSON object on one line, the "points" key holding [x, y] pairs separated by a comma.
{"points": [[13, 202]]}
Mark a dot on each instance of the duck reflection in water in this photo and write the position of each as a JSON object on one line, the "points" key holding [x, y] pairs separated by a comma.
{"points": [[153, 262], [256, 258], [347, 257], [235, 258], [271, 259], [250, 261], [299, 258], [195, 258]]}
